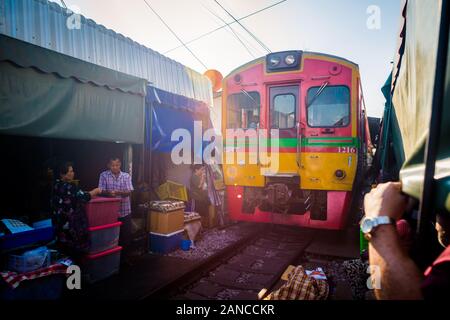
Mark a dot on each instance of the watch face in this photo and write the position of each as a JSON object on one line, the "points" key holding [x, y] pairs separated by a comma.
{"points": [[366, 225]]}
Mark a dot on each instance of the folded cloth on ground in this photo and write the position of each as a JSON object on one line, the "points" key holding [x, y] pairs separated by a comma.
{"points": [[14, 279], [317, 273], [301, 286]]}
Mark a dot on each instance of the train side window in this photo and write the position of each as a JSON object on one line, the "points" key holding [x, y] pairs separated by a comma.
{"points": [[283, 111], [243, 110], [329, 107]]}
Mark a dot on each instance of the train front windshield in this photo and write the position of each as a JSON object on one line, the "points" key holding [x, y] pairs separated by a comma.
{"points": [[328, 108], [243, 110]]}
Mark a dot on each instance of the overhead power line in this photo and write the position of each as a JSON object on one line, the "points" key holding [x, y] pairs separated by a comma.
{"points": [[227, 24], [234, 33], [175, 35], [243, 27]]}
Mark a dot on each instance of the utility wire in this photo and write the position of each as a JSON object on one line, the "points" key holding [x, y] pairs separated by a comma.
{"points": [[248, 31], [175, 35], [234, 33], [225, 25]]}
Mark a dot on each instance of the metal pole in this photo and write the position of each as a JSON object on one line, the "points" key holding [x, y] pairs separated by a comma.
{"points": [[149, 166]]}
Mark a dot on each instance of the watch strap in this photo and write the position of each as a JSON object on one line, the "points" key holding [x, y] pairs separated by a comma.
{"points": [[380, 220]]}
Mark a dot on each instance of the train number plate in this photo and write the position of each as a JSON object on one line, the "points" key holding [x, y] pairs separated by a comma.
{"points": [[347, 149]]}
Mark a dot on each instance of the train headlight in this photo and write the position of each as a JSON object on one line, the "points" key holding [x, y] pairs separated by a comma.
{"points": [[340, 174], [274, 61], [290, 59], [283, 61]]}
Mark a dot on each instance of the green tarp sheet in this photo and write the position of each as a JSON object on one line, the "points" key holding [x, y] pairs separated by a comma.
{"points": [[47, 94], [412, 97]]}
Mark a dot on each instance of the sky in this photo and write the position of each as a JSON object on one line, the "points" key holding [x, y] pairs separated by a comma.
{"points": [[337, 27]]}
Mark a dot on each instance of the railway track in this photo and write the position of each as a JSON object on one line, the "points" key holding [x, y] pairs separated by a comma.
{"points": [[243, 269]]}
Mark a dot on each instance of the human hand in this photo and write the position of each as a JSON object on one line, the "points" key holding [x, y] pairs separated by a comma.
{"points": [[385, 200], [95, 192]]}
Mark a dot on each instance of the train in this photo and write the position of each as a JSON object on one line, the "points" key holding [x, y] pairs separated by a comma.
{"points": [[308, 112]]}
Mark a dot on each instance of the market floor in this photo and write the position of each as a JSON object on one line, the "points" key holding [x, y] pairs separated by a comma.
{"points": [[134, 282]]}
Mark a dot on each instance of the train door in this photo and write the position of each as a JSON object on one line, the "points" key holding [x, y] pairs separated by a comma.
{"points": [[284, 114]]}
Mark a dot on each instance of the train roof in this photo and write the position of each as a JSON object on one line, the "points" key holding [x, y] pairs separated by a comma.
{"points": [[303, 52]]}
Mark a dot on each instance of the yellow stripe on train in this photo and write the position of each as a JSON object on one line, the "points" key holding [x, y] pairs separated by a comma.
{"points": [[317, 171]]}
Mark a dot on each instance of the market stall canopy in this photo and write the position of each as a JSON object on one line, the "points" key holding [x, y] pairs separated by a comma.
{"points": [[166, 112], [47, 94], [392, 155], [412, 91], [54, 26]]}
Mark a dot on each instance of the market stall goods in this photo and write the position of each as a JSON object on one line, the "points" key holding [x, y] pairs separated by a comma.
{"points": [[165, 216]]}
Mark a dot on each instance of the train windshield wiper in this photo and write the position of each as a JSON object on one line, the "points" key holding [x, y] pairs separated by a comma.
{"points": [[318, 93], [248, 95], [340, 122]]}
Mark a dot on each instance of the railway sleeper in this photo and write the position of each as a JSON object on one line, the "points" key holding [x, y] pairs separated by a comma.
{"points": [[256, 264]]}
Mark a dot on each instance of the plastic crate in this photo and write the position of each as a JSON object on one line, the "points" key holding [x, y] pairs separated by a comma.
{"points": [[29, 260], [172, 190], [104, 237], [101, 211], [165, 243], [102, 265], [43, 232]]}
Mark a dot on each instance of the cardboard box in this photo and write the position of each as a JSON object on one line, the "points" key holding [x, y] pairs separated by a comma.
{"points": [[165, 222]]}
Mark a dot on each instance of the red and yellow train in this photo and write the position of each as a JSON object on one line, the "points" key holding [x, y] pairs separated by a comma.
{"points": [[315, 103]]}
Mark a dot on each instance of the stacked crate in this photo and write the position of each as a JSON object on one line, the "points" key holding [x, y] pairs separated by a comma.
{"points": [[103, 257], [165, 224]]}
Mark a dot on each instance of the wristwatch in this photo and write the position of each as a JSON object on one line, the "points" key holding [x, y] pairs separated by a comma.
{"points": [[368, 225]]}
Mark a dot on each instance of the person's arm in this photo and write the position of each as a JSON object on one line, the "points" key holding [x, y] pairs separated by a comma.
{"points": [[102, 185], [128, 188], [202, 182], [121, 193], [399, 276], [202, 178], [95, 192], [82, 195]]}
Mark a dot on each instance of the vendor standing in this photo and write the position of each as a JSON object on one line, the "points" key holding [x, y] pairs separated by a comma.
{"points": [[68, 212], [198, 191], [116, 183]]}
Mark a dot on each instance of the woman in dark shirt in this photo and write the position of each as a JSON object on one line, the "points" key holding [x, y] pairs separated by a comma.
{"points": [[69, 216]]}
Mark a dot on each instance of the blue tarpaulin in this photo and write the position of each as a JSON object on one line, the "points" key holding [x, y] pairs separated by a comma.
{"points": [[166, 112]]}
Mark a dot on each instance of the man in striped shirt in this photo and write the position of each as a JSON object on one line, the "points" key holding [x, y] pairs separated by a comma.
{"points": [[116, 183]]}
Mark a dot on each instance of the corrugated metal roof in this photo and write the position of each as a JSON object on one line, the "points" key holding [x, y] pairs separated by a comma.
{"points": [[44, 23]]}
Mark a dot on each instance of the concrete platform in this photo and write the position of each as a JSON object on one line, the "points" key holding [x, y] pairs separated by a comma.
{"points": [[137, 281]]}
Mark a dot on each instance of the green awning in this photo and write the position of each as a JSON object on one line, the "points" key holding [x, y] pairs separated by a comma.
{"points": [[47, 94], [412, 97], [391, 144]]}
